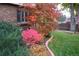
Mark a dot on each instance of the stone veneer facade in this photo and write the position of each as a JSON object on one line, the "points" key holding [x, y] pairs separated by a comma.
{"points": [[8, 12]]}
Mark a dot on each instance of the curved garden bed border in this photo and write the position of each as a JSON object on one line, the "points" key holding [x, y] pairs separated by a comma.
{"points": [[46, 44]]}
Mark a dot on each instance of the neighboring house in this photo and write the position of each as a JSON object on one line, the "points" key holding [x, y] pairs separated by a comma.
{"points": [[14, 13], [65, 25]]}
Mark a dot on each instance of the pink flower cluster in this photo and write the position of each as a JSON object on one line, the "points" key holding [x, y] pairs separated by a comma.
{"points": [[31, 36]]}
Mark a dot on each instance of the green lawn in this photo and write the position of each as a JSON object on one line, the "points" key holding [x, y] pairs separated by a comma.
{"points": [[65, 44]]}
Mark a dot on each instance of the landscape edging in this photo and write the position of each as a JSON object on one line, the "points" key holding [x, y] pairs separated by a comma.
{"points": [[46, 44]]}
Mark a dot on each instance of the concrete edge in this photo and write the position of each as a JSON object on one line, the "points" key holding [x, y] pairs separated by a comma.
{"points": [[46, 44]]}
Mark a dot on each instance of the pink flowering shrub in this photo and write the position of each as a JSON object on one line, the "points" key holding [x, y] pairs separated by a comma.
{"points": [[31, 36]]}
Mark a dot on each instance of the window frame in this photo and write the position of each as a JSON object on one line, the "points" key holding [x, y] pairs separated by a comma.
{"points": [[22, 16]]}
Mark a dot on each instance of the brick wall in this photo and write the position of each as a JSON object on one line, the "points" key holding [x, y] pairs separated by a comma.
{"points": [[8, 12]]}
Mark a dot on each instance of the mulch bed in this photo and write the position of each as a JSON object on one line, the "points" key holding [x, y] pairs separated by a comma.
{"points": [[39, 50]]}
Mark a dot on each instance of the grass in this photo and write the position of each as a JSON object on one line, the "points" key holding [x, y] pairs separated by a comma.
{"points": [[65, 44]]}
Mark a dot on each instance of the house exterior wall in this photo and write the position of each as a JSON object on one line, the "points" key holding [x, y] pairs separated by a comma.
{"points": [[8, 13], [66, 26]]}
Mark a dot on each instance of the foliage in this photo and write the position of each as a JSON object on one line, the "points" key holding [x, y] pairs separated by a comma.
{"points": [[31, 18], [45, 19], [10, 40], [65, 44], [39, 50], [31, 36], [75, 6], [66, 5], [62, 18]]}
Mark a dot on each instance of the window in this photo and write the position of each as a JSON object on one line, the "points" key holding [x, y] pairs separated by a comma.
{"points": [[21, 16]]}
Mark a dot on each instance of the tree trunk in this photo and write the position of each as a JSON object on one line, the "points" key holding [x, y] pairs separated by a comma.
{"points": [[73, 22], [78, 19]]}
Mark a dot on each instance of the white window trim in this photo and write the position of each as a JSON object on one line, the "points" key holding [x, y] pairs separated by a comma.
{"points": [[23, 17]]}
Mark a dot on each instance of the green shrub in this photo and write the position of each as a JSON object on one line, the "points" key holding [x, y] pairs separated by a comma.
{"points": [[10, 40]]}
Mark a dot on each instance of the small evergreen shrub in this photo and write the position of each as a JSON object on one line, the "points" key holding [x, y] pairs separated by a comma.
{"points": [[10, 40]]}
